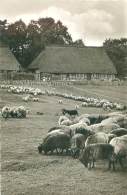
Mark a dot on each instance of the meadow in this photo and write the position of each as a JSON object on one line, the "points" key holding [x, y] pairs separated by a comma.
{"points": [[25, 171]]}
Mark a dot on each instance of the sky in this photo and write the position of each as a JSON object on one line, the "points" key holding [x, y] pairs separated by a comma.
{"points": [[93, 21]]}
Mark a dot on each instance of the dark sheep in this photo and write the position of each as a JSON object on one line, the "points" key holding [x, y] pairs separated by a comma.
{"points": [[94, 152], [96, 118], [120, 149], [57, 142], [77, 144], [70, 112], [119, 132], [84, 131]]}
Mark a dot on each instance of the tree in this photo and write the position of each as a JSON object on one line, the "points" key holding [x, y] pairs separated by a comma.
{"points": [[3, 26], [79, 43], [117, 51]]}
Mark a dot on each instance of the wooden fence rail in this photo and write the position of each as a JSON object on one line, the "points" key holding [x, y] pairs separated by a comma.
{"points": [[61, 83], [37, 83]]}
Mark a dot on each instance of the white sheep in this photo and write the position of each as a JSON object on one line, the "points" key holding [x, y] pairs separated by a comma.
{"points": [[27, 98], [76, 106], [5, 112], [67, 122], [35, 99], [84, 104], [60, 101], [62, 118]]}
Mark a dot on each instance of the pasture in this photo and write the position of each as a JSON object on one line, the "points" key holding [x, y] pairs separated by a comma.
{"points": [[25, 171]]}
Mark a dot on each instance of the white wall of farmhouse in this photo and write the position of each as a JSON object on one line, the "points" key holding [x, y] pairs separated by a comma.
{"points": [[72, 76]]}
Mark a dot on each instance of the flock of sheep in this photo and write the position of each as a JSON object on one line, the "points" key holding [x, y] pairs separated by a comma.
{"points": [[14, 112], [86, 101], [89, 137]]}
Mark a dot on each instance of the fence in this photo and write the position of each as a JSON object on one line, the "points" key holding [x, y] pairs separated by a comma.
{"points": [[37, 83], [62, 83]]}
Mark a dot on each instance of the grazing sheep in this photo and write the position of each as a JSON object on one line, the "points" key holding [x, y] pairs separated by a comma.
{"points": [[120, 120], [62, 118], [14, 112], [84, 104], [62, 128], [27, 98], [76, 106], [5, 112], [94, 152], [99, 138], [81, 128], [106, 128], [119, 132], [60, 101], [55, 142], [84, 120], [21, 112], [96, 118], [67, 122], [77, 144], [120, 148]]}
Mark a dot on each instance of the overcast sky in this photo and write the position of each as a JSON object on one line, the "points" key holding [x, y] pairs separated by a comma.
{"points": [[90, 20]]}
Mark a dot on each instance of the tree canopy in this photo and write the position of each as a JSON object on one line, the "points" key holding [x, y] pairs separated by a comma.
{"points": [[117, 51]]}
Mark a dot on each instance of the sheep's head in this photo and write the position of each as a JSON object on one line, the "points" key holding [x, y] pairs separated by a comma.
{"points": [[40, 148]]}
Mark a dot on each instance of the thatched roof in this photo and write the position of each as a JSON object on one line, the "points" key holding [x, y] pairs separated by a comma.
{"points": [[7, 59], [62, 59]]}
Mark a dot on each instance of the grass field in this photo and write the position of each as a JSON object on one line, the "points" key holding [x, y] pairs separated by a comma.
{"points": [[26, 172]]}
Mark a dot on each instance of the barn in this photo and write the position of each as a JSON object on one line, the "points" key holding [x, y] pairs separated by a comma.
{"points": [[8, 63], [73, 63]]}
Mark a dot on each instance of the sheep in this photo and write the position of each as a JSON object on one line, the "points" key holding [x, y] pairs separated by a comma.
{"points": [[121, 120], [76, 106], [21, 112], [62, 118], [96, 118], [119, 132], [5, 112], [77, 144], [81, 128], [26, 99], [100, 127], [99, 138], [67, 122], [14, 112], [62, 128], [93, 152], [54, 142], [84, 120], [60, 101], [35, 99], [84, 104], [120, 148]]}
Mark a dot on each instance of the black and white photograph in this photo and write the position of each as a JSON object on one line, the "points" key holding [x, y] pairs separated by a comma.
{"points": [[63, 97]]}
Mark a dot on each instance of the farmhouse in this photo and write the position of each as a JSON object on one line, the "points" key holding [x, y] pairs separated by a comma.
{"points": [[73, 63], [8, 63]]}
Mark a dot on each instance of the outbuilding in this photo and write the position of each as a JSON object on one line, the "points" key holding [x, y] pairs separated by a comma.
{"points": [[8, 63]]}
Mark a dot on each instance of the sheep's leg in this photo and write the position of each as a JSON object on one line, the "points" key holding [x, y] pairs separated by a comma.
{"points": [[109, 165], [61, 151], [93, 163], [113, 164], [57, 151], [51, 152], [89, 165], [121, 163]]}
